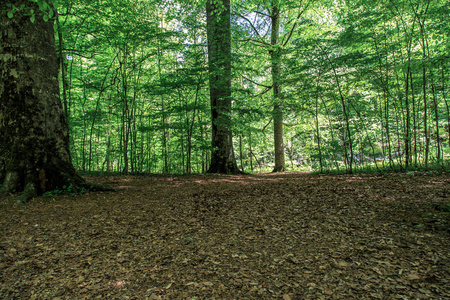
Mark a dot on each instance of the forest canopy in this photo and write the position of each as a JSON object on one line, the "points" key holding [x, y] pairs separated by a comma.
{"points": [[360, 84]]}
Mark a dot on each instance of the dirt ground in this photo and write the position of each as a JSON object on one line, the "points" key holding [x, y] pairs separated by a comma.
{"points": [[265, 236]]}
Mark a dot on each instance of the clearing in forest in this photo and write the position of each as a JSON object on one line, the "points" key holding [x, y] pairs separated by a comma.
{"points": [[264, 236]]}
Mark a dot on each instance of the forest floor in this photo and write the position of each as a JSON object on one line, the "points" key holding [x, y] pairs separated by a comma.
{"points": [[262, 236]]}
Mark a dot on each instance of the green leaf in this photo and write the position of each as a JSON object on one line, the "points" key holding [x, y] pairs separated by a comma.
{"points": [[11, 14], [33, 17], [43, 6]]}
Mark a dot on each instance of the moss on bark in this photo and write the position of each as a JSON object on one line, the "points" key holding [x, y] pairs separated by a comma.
{"points": [[34, 139]]}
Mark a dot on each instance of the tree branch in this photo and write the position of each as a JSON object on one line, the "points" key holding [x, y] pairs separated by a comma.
{"points": [[258, 84], [262, 93], [295, 24], [255, 41], [264, 128], [251, 24]]}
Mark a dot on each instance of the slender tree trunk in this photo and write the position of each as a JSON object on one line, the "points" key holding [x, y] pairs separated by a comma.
{"points": [[219, 58], [414, 117], [250, 151], [202, 138], [425, 114], [387, 105], [163, 119], [280, 163], [316, 118], [407, 141], [436, 117], [445, 100], [190, 127], [424, 81], [182, 136], [189, 132], [108, 143], [241, 153], [347, 137], [381, 110]]}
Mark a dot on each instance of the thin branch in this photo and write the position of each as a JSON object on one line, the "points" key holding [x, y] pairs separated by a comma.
{"points": [[255, 41], [262, 14], [264, 128], [262, 93], [258, 84], [251, 24], [295, 23], [290, 125]]}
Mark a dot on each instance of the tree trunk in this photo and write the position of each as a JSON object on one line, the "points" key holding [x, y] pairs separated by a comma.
{"points": [[34, 140], [407, 140], [316, 118], [219, 59], [280, 164]]}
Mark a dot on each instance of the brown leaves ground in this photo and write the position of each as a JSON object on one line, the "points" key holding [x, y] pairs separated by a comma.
{"points": [[268, 236]]}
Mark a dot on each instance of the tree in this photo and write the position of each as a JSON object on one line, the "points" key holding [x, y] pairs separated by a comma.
{"points": [[275, 59], [34, 140], [219, 55], [346, 73], [276, 69]]}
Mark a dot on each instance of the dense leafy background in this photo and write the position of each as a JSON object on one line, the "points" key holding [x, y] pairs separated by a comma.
{"points": [[362, 81]]}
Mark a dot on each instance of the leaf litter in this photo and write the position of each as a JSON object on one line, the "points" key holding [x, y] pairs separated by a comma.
{"points": [[263, 236]]}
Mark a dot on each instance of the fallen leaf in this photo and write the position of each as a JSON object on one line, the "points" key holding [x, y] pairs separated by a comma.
{"points": [[207, 283], [414, 276]]}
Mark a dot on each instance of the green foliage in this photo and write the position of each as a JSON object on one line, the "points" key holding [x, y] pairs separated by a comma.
{"points": [[45, 10], [68, 190], [361, 81], [443, 208]]}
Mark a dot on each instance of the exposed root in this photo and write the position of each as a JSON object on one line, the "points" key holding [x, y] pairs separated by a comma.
{"points": [[224, 169], [98, 187], [35, 186], [29, 192], [10, 183], [279, 169]]}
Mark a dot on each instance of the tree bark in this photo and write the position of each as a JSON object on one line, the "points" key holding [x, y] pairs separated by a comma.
{"points": [[219, 59], [34, 140], [280, 163]]}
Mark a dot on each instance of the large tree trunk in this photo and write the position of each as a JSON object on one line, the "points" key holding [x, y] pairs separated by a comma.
{"points": [[280, 164], [219, 54], [34, 140]]}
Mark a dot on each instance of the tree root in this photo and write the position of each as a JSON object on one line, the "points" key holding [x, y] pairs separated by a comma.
{"points": [[33, 188], [29, 192], [227, 168], [278, 169], [98, 187], [10, 183]]}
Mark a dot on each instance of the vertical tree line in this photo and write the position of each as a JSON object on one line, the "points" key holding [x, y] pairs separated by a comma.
{"points": [[175, 87]]}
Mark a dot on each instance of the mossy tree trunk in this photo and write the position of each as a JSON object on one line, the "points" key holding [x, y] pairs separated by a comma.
{"points": [[34, 140], [219, 55]]}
